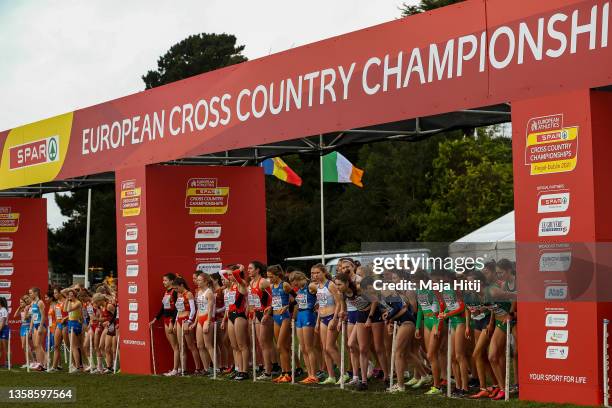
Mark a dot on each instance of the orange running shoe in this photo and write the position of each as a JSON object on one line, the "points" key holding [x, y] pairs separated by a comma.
{"points": [[310, 380], [284, 379], [277, 379], [493, 392], [481, 394]]}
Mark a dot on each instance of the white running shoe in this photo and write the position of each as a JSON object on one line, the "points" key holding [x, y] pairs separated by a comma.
{"points": [[24, 366], [172, 373], [264, 377], [354, 381], [425, 380], [411, 381], [52, 370], [395, 388]]}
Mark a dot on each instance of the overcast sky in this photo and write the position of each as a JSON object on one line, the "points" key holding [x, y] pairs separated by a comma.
{"points": [[58, 56]]}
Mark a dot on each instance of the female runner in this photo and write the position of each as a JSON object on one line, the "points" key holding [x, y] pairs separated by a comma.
{"points": [[167, 313], [281, 292], [305, 321], [397, 310], [330, 307], [75, 324], [205, 301], [360, 339], [260, 298], [237, 325], [377, 327], [24, 331], [186, 310], [223, 346], [107, 319], [87, 313], [37, 327], [4, 330], [61, 328]]}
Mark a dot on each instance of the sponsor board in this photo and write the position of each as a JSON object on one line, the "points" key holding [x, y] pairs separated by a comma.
{"points": [[207, 247], [550, 203], [133, 326], [131, 248], [555, 261], [551, 147], [557, 319], [209, 268], [204, 196], [6, 244], [131, 234], [132, 270], [7, 296], [555, 292], [553, 227], [133, 317], [9, 221], [5, 284], [6, 270], [133, 307], [211, 232], [557, 336], [34, 153], [130, 198], [557, 352], [132, 289], [6, 255]]}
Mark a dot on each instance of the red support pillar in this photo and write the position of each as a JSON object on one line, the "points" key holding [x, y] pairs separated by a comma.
{"points": [[179, 219], [562, 179]]}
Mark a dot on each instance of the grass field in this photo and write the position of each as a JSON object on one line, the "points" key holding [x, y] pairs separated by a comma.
{"points": [[122, 390]]}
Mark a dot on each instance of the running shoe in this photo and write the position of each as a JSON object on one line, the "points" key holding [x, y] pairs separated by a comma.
{"points": [[481, 394], [361, 386], [473, 382], [284, 379], [459, 393], [228, 370], [24, 366], [321, 375], [310, 380], [329, 381], [514, 389], [424, 380], [277, 379], [354, 381], [40, 368], [52, 370], [434, 391], [411, 381], [493, 391], [443, 383], [299, 372], [264, 377], [395, 388], [241, 376], [500, 396], [171, 373], [232, 375], [345, 377], [276, 370]]}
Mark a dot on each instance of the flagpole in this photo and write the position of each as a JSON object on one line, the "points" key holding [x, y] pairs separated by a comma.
{"points": [[322, 209]]}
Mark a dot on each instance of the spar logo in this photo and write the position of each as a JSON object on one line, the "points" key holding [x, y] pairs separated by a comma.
{"points": [[35, 153], [558, 202]]}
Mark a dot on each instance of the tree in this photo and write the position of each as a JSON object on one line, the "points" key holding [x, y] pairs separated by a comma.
{"points": [[194, 55], [425, 5], [471, 185], [67, 243]]}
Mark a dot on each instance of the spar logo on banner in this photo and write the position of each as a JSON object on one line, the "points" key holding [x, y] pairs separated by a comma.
{"points": [[556, 202], [35, 153], [204, 196], [9, 222], [553, 227], [551, 147], [130, 198]]}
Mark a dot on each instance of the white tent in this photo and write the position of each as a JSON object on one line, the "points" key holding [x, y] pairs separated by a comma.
{"points": [[493, 241]]}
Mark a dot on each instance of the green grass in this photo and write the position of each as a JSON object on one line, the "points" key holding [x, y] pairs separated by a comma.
{"points": [[122, 390]]}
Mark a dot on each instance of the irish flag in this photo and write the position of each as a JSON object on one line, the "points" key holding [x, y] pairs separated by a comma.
{"points": [[278, 168], [337, 169]]}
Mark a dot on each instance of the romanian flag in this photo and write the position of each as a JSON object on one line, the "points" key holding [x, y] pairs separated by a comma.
{"points": [[278, 168], [337, 169]]}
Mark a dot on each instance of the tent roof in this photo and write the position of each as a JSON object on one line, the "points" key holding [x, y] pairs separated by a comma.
{"points": [[499, 230]]}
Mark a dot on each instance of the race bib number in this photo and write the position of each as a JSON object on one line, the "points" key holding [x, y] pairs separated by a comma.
{"points": [[254, 301], [277, 303], [180, 304], [166, 302], [302, 301], [231, 298]]}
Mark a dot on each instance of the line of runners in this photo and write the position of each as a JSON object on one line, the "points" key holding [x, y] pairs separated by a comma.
{"points": [[404, 332], [82, 326]]}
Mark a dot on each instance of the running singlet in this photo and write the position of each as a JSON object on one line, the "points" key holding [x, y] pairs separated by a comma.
{"points": [[220, 303], [357, 303], [256, 296], [51, 318], [305, 299], [454, 306], [202, 302], [280, 298], [75, 315], [4, 316], [324, 296], [35, 312], [428, 301], [59, 311], [182, 303], [236, 300]]}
